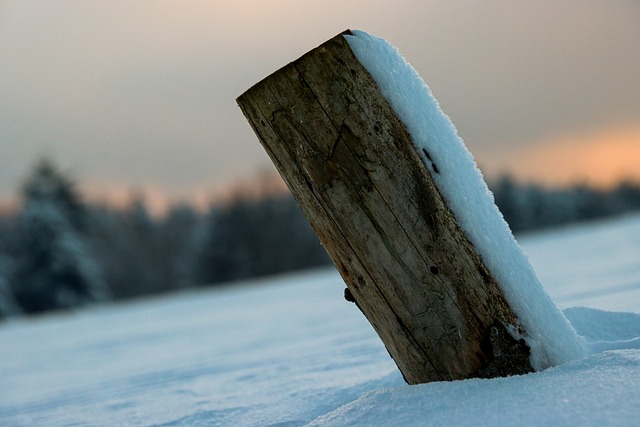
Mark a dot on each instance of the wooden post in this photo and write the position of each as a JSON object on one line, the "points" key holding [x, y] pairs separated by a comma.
{"points": [[355, 172]]}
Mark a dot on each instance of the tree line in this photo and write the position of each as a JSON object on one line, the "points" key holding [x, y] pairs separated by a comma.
{"points": [[58, 252], [530, 206]]}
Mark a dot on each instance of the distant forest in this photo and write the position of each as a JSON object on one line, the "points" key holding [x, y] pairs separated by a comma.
{"points": [[58, 252]]}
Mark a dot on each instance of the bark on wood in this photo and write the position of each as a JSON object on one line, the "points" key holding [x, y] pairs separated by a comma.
{"points": [[355, 172]]}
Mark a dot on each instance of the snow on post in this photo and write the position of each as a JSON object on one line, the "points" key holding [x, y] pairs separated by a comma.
{"points": [[405, 215]]}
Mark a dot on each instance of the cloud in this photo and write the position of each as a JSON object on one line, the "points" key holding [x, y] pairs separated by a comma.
{"points": [[601, 157], [141, 94]]}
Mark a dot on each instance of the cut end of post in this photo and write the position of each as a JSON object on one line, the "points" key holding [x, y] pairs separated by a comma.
{"points": [[239, 99]]}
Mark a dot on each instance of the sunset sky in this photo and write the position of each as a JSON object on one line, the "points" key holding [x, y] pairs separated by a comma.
{"points": [[140, 95]]}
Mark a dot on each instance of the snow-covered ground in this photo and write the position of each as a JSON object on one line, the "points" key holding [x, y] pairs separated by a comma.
{"points": [[290, 351]]}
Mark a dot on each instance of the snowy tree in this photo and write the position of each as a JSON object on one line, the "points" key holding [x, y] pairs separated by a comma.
{"points": [[145, 272], [177, 244], [141, 254], [53, 265], [629, 194], [8, 304], [254, 237]]}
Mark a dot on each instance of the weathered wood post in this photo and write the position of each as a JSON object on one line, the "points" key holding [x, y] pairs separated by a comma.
{"points": [[351, 165]]}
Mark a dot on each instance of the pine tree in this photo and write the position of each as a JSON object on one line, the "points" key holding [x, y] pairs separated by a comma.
{"points": [[53, 265], [8, 306], [255, 237]]}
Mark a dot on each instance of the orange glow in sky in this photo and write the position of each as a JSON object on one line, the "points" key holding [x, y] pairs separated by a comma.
{"points": [[139, 97], [602, 158]]}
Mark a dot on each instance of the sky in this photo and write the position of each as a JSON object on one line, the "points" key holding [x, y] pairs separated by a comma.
{"points": [[139, 96]]}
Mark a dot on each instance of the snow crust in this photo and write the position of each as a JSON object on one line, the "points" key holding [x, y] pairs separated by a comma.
{"points": [[552, 339], [568, 392], [289, 351]]}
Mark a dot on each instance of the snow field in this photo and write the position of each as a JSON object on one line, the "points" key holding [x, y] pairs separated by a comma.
{"points": [[290, 351]]}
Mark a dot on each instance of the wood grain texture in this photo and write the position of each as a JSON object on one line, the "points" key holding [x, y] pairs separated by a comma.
{"points": [[355, 172]]}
